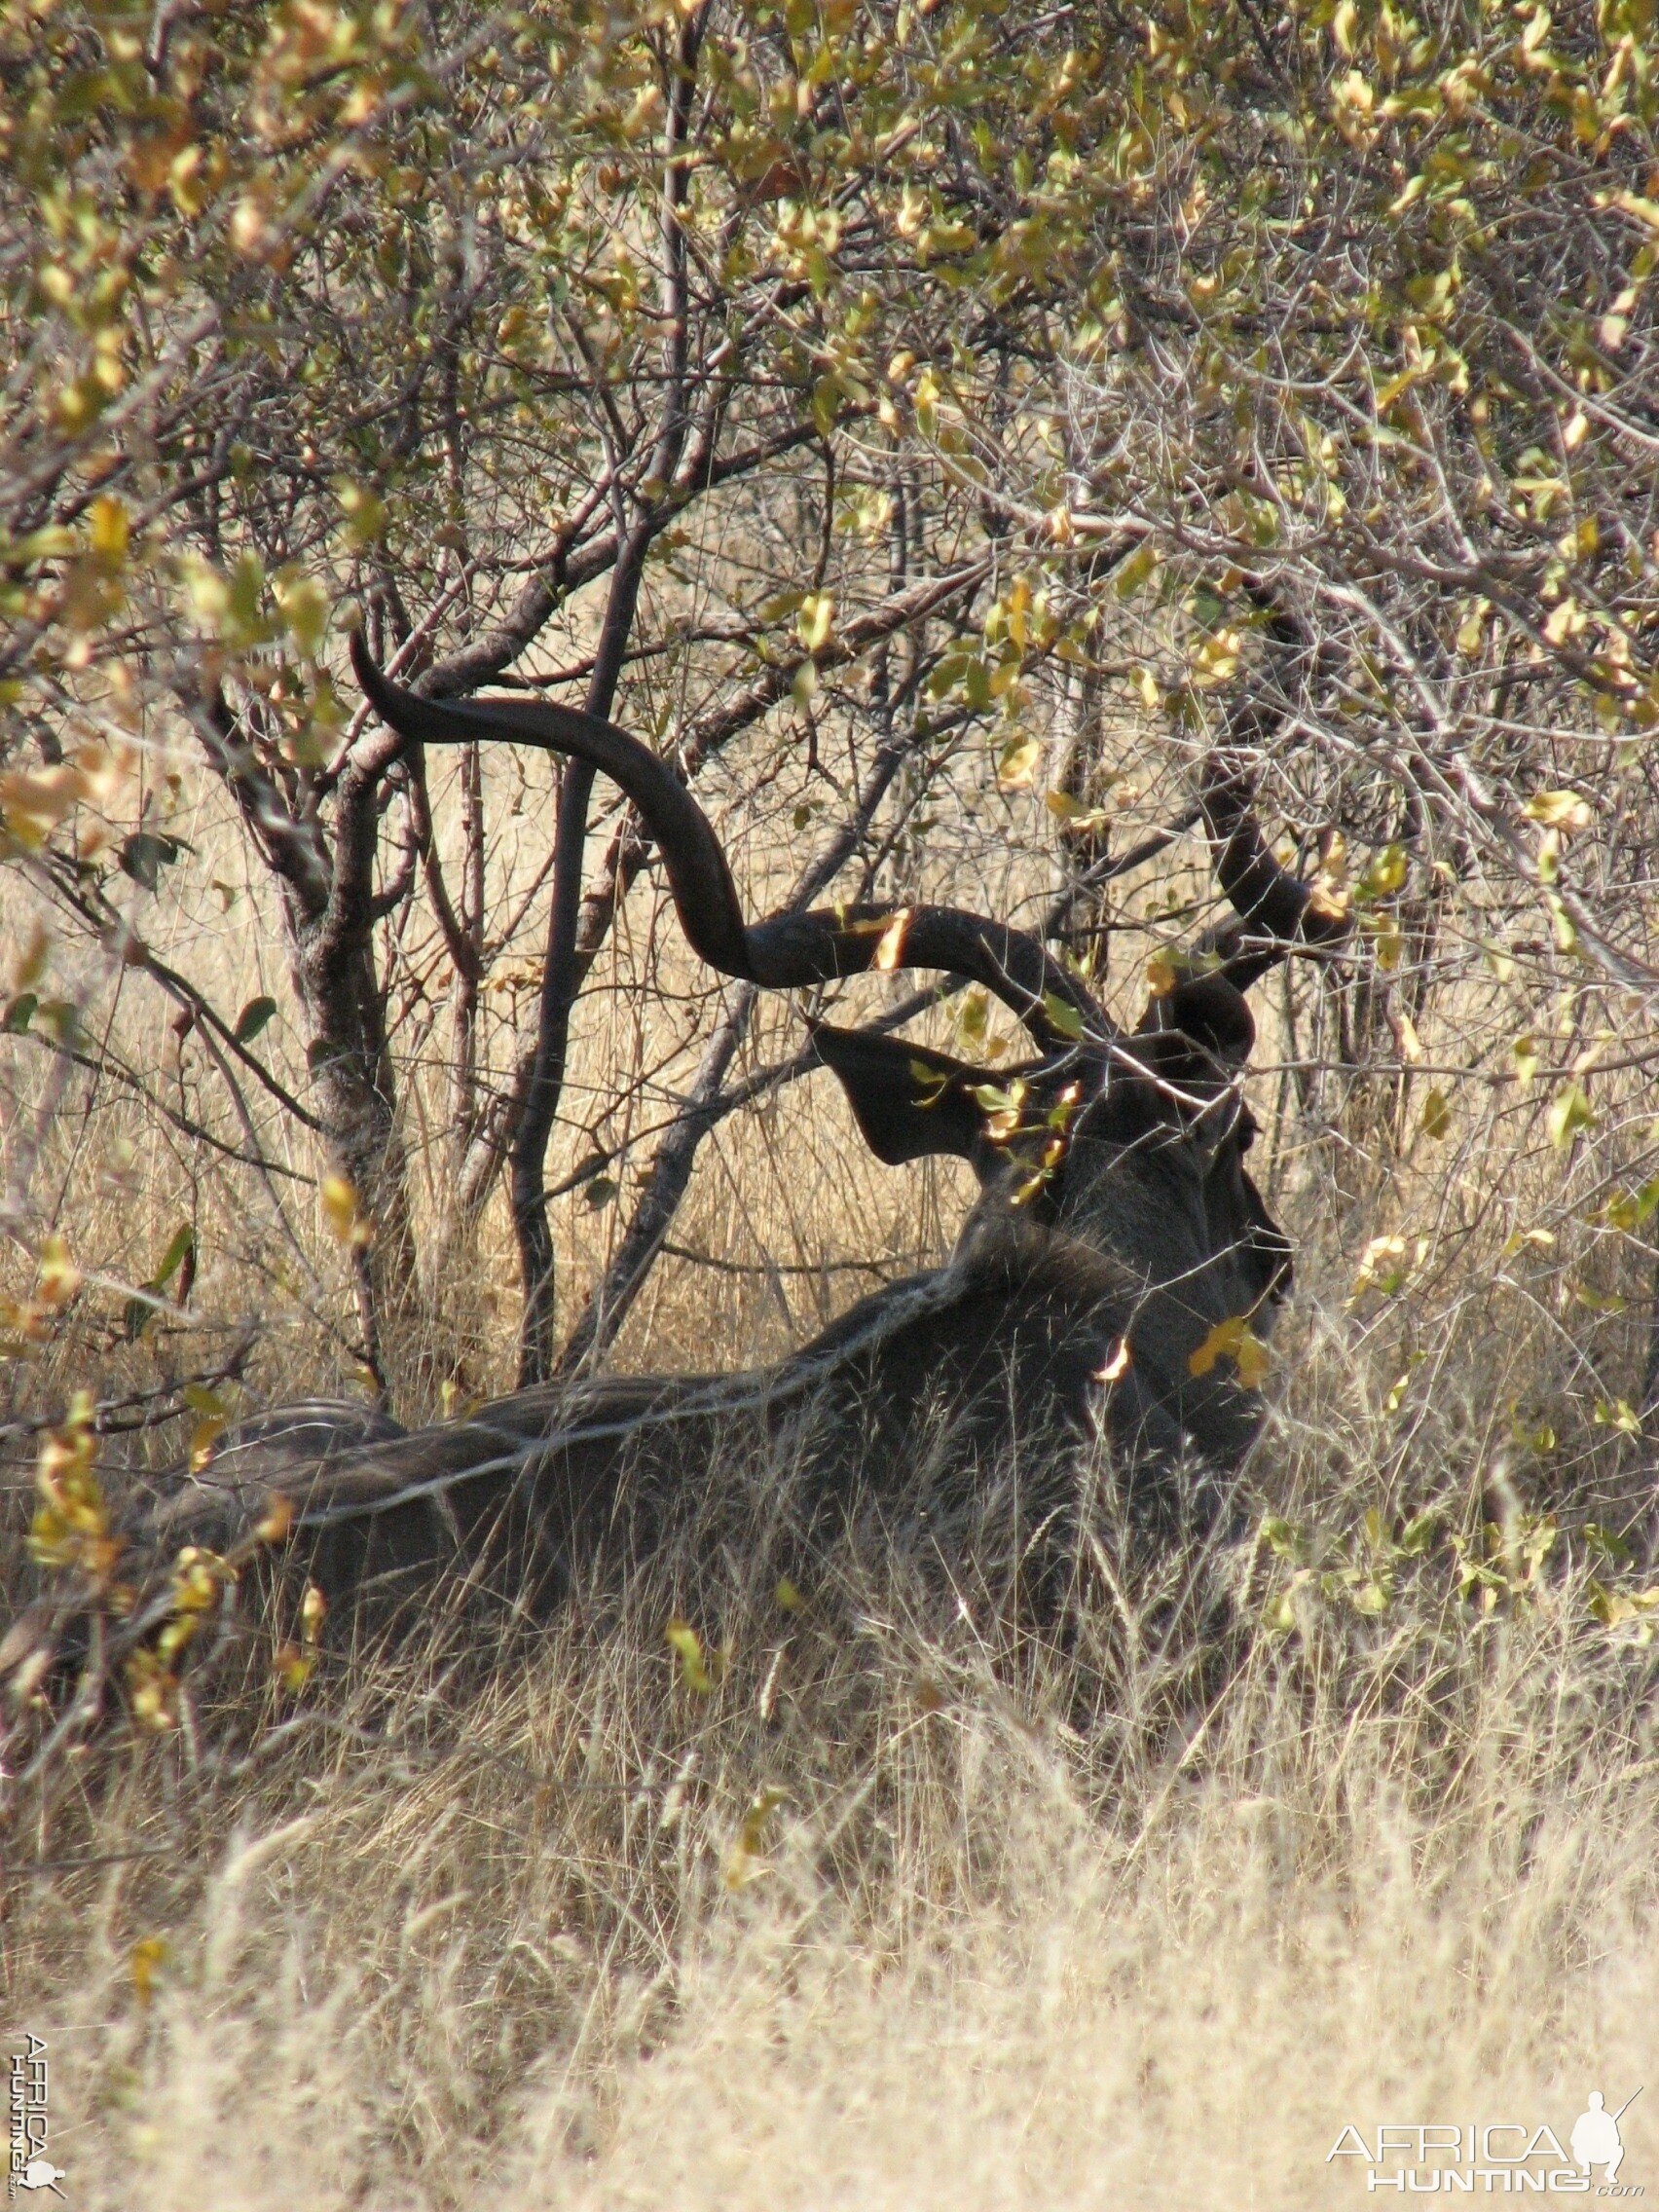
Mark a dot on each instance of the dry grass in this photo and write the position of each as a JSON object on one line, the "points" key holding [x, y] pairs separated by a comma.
{"points": [[912, 1908], [1054, 1923]]}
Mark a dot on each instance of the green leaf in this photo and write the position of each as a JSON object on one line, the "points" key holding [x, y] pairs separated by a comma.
{"points": [[931, 1084], [364, 510], [1571, 1111], [825, 396], [144, 855], [1417, 1532], [1284, 1536], [173, 1258], [1134, 571], [1065, 1021], [253, 1017], [61, 1019], [694, 1673]]}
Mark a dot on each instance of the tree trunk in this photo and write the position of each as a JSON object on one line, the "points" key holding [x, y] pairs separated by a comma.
{"points": [[351, 1078]]}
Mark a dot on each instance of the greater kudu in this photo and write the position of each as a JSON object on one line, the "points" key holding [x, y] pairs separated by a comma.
{"points": [[1118, 1263]]}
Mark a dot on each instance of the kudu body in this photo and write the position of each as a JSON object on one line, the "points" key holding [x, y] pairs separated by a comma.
{"points": [[1116, 1232]]}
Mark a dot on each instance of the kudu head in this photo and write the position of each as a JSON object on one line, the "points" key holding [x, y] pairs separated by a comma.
{"points": [[1129, 1144]]}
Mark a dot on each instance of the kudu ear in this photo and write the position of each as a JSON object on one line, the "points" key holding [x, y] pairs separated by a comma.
{"points": [[910, 1102], [1210, 1014]]}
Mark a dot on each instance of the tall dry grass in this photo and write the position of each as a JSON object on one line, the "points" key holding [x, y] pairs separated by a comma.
{"points": [[910, 1907], [1347, 1817]]}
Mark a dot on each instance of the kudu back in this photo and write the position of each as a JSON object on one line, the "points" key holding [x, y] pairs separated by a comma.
{"points": [[1116, 1232]]}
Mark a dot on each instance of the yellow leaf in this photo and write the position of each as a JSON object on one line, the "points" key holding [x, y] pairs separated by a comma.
{"points": [[71, 1526], [304, 610], [1522, 1237], [1017, 764], [149, 1955], [927, 403], [109, 529], [1161, 973], [1386, 874], [1619, 1413], [1436, 1117], [683, 1638], [816, 620], [1001, 1108], [340, 1211], [746, 1858], [1384, 1265], [1399, 385], [179, 1632], [364, 511], [152, 1689], [202, 1438], [1252, 1360], [59, 1278], [200, 1579], [1018, 611], [278, 1520], [1076, 817], [1215, 660], [1388, 942], [1235, 1340], [293, 1667], [1558, 810]]}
